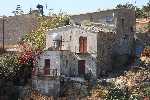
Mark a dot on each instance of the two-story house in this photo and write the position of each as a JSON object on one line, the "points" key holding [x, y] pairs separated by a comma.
{"points": [[78, 50]]}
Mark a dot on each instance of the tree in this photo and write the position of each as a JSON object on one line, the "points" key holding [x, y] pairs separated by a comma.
{"points": [[9, 65], [37, 38], [146, 9], [40, 8], [140, 12], [127, 5], [18, 10]]}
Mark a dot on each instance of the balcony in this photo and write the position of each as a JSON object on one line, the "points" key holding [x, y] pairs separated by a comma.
{"points": [[45, 72]]}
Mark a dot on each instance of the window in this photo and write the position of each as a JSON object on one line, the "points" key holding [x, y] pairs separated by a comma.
{"points": [[91, 18], [125, 36], [109, 19], [66, 63], [122, 21], [57, 41], [47, 66], [76, 23], [47, 63], [83, 44], [70, 38], [131, 29]]}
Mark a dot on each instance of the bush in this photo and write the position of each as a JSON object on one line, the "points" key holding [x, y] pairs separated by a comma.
{"points": [[9, 65], [117, 94]]}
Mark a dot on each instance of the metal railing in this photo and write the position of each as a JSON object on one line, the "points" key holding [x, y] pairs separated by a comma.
{"points": [[45, 72]]}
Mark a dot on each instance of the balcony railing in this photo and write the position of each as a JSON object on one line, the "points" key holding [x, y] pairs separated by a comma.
{"points": [[45, 72]]}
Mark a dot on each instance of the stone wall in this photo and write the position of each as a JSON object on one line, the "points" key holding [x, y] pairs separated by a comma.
{"points": [[113, 51], [64, 61], [105, 43], [125, 30], [70, 38], [144, 37], [68, 64], [16, 27], [105, 17], [70, 41], [111, 17], [46, 86], [109, 49], [54, 57], [124, 22]]}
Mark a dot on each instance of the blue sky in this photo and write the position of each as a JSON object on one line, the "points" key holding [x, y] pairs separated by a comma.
{"points": [[69, 6]]}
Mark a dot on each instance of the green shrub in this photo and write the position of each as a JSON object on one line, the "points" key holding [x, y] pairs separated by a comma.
{"points": [[117, 94]]}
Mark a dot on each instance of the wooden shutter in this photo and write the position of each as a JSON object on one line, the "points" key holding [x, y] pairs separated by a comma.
{"points": [[81, 46], [85, 44]]}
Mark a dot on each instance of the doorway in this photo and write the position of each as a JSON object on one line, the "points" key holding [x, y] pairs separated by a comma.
{"points": [[47, 67], [81, 67]]}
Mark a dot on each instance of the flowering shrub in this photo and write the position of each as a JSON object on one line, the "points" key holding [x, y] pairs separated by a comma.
{"points": [[9, 65], [26, 57]]}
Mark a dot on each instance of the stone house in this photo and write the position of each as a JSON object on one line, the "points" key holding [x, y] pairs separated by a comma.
{"points": [[56, 63], [91, 49]]}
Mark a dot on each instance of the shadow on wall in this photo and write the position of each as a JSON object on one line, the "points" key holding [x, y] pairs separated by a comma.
{"points": [[89, 71], [120, 61]]}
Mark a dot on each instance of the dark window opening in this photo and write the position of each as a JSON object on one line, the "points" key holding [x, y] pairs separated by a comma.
{"points": [[76, 23], [125, 36], [91, 19], [131, 29], [58, 44], [122, 23], [109, 19], [70, 38], [66, 63]]}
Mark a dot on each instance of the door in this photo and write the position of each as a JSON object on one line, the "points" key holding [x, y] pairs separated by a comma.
{"points": [[81, 67], [47, 67]]}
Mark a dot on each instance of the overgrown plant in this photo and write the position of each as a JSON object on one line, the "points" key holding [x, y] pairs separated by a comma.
{"points": [[37, 38]]}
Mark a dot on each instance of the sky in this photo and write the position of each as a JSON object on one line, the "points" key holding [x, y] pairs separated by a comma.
{"points": [[69, 6]]}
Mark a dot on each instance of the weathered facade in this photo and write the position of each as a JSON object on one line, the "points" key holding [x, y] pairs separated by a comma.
{"points": [[56, 63], [83, 51], [121, 21], [92, 48]]}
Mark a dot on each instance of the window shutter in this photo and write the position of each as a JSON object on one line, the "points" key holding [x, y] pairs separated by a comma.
{"points": [[85, 44], [81, 46]]}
